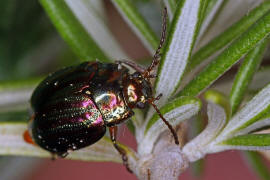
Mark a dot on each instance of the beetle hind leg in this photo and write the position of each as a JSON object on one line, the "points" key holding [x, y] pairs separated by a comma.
{"points": [[122, 151]]}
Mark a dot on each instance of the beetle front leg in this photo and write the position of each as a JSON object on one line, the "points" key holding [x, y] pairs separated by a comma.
{"points": [[131, 64], [123, 153]]}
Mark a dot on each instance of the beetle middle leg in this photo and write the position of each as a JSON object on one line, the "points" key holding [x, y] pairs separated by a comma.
{"points": [[122, 152]]}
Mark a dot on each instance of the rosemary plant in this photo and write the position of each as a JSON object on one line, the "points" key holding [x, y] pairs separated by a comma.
{"points": [[205, 39]]}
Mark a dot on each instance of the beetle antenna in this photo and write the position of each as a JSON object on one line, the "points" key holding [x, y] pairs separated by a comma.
{"points": [[157, 54], [151, 101]]}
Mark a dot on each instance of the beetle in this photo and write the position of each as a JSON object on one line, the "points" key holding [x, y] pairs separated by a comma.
{"points": [[73, 106]]}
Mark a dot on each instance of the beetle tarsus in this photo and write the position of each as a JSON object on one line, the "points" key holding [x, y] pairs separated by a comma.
{"points": [[122, 152]]}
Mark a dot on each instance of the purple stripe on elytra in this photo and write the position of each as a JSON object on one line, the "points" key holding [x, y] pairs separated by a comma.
{"points": [[82, 120], [88, 103], [69, 103], [68, 112]]}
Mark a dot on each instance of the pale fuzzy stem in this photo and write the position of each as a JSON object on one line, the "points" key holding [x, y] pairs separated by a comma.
{"points": [[197, 148], [15, 97], [174, 117], [166, 162], [255, 106], [12, 143]]}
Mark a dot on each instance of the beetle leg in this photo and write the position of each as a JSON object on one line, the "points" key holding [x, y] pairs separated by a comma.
{"points": [[54, 156], [131, 64], [58, 155], [122, 152], [148, 174], [63, 155]]}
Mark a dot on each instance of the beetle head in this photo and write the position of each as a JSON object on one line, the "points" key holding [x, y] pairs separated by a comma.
{"points": [[137, 90]]}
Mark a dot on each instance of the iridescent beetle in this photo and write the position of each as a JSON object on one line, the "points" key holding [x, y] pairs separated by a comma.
{"points": [[73, 106]]}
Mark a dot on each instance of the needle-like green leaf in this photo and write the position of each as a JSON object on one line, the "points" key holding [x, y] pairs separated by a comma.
{"points": [[19, 84], [181, 37], [250, 140], [229, 35], [15, 94], [91, 14], [229, 57], [252, 115], [137, 23], [245, 74], [72, 31], [212, 9], [14, 117]]}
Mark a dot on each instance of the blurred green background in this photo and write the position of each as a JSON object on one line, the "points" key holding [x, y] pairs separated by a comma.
{"points": [[29, 44]]}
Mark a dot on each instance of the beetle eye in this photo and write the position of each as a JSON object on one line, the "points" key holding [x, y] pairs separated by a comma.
{"points": [[86, 91], [140, 105], [136, 75]]}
